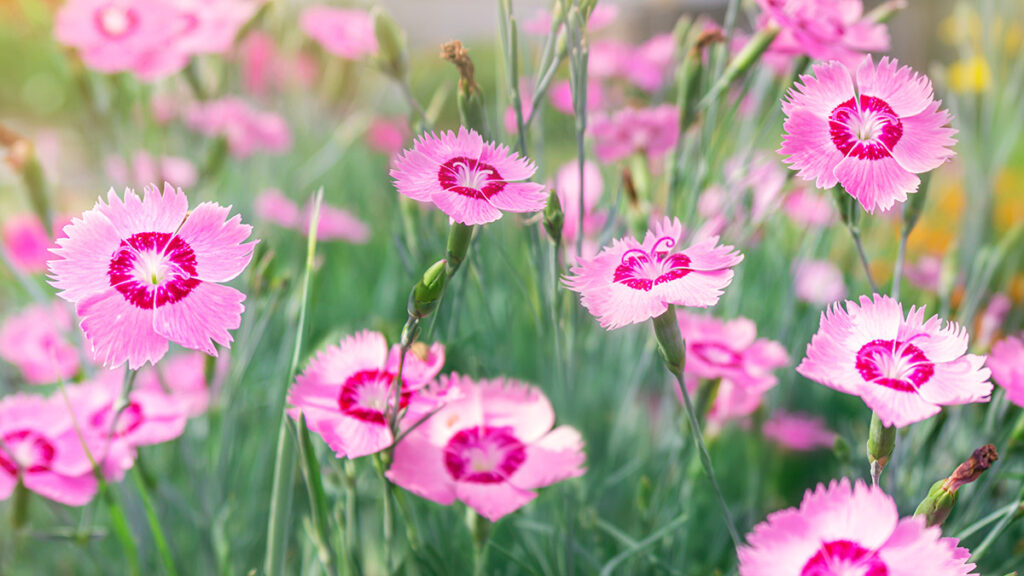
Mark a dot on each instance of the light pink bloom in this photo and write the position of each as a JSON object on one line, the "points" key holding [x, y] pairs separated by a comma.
{"points": [[273, 206], [904, 369], [26, 242], [651, 131], [750, 190], [145, 271], [630, 282], [608, 59], [567, 186], [335, 223], [823, 29], [991, 319], [41, 447], [36, 341], [873, 138], [603, 15], [809, 209], [212, 25], [470, 180], [798, 431], [388, 135], [246, 129], [346, 390], [145, 168], [259, 57], [925, 272], [183, 377], [346, 34], [1007, 363], [844, 529], [490, 449], [561, 96], [526, 103], [650, 64], [819, 282]]}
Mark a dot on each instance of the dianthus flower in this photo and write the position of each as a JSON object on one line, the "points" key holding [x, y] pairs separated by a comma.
{"points": [[145, 168], [904, 369], [26, 243], [388, 135], [873, 138], [560, 95], [470, 180], [39, 446], [651, 131], [246, 129], [183, 377], [809, 209], [842, 529], [346, 391], [567, 186], [630, 281], [818, 282], [36, 341], [334, 223], [823, 29], [1007, 363], [491, 449], [145, 271], [798, 431], [347, 34]]}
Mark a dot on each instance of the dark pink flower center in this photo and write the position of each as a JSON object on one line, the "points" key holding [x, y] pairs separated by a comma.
{"points": [[116, 21], [894, 364], [151, 269], [844, 558], [484, 454], [129, 420], [25, 450], [366, 395], [717, 354], [866, 131], [470, 177], [643, 270]]}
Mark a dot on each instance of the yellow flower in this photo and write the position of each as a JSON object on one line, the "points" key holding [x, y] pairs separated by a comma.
{"points": [[970, 75]]}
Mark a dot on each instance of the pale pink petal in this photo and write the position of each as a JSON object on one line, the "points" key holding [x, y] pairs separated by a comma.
{"points": [[119, 331], [493, 501], [83, 257], [76, 491], [217, 242], [809, 148], [926, 140], [156, 212], [418, 466], [906, 91], [555, 457], [201, 318], [876, 184], [464, 209]]}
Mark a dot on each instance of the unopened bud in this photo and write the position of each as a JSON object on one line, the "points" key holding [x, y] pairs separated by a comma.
{"points": [[881, 442], [937, 505], [472, 112], [427, 293], [554, 217], [391, 43], [942, 495], [459, 238], [849, 211]]}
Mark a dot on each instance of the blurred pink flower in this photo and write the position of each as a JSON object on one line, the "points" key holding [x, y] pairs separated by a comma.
{"points": [[470, 180], [540, 23], [526, 102], [265, 67], [145, 168], [925, 272], [651, 131], [335, 223], [145, 271], [631, 282], [346, 34], [819, 282], [809, 209], [26, 242], [183, 377], [346, 391], [246, 129], [213, 25], [491, 449], [388, 135], [873, 138], [1007, 363], [844, 529], [823, 29], [273, 206], [560, 95], [991, 319], [36, 341], [798, 431], [749, 193], [608, 59], [40, 447], [905, 369], [567, 186], [650, 64]]}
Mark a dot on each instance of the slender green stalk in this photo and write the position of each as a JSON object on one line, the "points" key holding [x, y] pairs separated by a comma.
{"points": [[510, 48], [855, 233], [164, 551], [286, 458], [389, 515], [317, 500], [1004, 522], [901, 254], [480, 530]]}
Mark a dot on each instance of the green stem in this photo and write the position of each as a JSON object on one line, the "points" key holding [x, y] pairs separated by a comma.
{"points": [[154, 523], [389, 515], [855, 233], [19, 516], [881, 443], [480, 529]]}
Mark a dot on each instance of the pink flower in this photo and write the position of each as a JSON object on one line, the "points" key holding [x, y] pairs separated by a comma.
{"points": [[388, 135], [346, 390], [491, 449], [213, 25], [819, 282], [143, 272], [798, 431], [470, 180], [247, 130], [630, 282], [26, 242], [183, 378], [873, 138], [823, 29], [991, 319], [608, 59], [273, 206], [346, 34], [603, 15], [41, 447], [809, 209], [567, 186], [650, 64], [36, 341], [925, 272], [903, 369], [526, 104], [1007, 363], [335, 223], [561, 96], [753, 181], [651, 131], [145, 168], [844, 529]]}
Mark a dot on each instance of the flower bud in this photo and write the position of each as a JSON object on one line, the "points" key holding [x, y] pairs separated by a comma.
{"points": [[881, 442], [554, 217], [472, 112], [391, 42], [459, 237], [942, 495], [849, 211], [427, 293], [937, 505]]}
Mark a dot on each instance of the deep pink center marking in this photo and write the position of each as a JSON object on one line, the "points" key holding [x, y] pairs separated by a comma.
{"points": [[484, 454], [868, 131], [470, 177], [130, 419], [151, 269], [844, 558], [644, 270], [718, 354], [894, 364], [26, 450], [366, 395], [115, 21]]}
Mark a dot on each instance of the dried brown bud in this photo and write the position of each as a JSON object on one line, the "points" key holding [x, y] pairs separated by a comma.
{"points": [[707, 38], [454, 52], [969, 471], [629, 187]]}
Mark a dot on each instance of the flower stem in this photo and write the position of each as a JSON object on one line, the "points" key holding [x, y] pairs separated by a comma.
{"points": [[855, 233], [480, 529], [670, 340], [154, 523], [881, 442]]}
